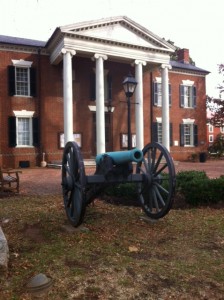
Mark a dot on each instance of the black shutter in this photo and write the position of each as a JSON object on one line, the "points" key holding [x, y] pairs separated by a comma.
{"points": [[92, 86], [155, 93], [181, 134], [195, 135], [171, 134], [109, 81], [154, 132], [194, 96], [33, 84], [36, 139], [12, 131], [181, 95], [11, 81], [170, 95]]}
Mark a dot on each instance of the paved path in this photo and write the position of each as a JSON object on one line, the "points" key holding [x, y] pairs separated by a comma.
{"points": [[44, 181]]}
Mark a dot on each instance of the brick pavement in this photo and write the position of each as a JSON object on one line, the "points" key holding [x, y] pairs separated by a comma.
{"points": [[44, 181]]}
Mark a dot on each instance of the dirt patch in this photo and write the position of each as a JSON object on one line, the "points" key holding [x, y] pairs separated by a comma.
{"points": [[33, 232]]}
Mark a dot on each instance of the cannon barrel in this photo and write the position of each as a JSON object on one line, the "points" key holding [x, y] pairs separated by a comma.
{"points": [[122, 157]]}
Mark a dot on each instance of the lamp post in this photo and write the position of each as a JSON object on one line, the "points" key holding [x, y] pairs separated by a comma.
{"points": [[129, 85]]}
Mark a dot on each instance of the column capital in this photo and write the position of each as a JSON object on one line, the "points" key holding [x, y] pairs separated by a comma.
{"points": [[71, 51], [139, 62], [168, 66], [97, 55]]}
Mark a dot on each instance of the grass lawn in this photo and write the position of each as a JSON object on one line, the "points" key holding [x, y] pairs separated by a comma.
{"points": [[116, 254]]}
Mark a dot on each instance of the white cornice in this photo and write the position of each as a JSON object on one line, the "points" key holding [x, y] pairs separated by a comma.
{"points": [[23, 49], [114, 51]]}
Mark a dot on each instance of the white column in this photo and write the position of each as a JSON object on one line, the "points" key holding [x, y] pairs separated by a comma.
{"points": [[100, 112], [139, 116], [165, 106], [67, 94]]}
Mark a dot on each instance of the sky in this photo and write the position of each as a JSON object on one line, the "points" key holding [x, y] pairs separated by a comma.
{"points": [[193, 24]]}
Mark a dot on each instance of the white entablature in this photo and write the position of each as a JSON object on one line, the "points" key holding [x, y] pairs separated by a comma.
{"points": [[117, 37]]}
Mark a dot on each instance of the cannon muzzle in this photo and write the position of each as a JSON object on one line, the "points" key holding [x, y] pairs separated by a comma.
{"points": [[122, 157]]}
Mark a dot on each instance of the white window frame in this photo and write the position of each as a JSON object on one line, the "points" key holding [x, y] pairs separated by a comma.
{"points": [[210, 128], [26, 65], [26, 115], [159, 130], [189, 122], [211, 138], [188, 93]]}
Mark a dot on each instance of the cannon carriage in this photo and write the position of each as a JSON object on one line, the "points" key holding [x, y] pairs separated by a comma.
{"points": [[151, 169]]}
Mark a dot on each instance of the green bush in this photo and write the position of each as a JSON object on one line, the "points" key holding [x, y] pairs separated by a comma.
{"points": [[198, 189], [194, 186]]}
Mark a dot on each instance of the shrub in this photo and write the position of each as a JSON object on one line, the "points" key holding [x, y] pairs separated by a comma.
{"points": [[197, 188]]}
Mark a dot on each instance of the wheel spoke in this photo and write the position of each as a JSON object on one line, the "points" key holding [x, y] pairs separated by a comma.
{"points": [[159, 196], [155, 200], [158, 162], [161, 169], [162, 188], [158, 186]]}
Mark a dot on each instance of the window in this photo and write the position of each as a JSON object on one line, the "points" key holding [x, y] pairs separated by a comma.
{"points": [[23, 129], [210, 138], [210, 128], [157, 132], [222, 129], [157, 93], [188, 134], [22, 79], [187, 96]]}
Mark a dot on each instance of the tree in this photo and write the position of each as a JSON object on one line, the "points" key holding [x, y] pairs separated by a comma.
{"points": [[216, 105]]}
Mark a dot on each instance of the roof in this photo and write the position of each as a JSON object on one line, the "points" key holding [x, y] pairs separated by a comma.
{"points": [[188, 67], [21, 41]]}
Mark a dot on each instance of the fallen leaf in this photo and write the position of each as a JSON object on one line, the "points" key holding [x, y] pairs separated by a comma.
{"points": [[133, 249]]}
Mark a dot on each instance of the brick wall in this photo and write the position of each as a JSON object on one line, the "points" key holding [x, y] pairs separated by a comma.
{"points": [[48, 106]]}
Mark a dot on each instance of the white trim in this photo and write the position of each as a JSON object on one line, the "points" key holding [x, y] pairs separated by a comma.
{"points": [[22, 63], [188, 121], [188, 82], [159, 120], [158, 80], [23, 113], [93, 108]]}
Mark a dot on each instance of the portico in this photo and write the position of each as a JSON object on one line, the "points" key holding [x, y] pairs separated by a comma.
{"points": [[115, 39]]}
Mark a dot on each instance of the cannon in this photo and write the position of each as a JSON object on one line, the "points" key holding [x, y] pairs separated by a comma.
{"points": [[151, 169]]}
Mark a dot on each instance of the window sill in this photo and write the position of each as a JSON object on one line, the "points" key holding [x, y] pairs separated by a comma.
{"points": [[20, 146], [22, 96]]}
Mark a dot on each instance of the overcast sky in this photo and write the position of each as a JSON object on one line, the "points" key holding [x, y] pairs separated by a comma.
{"points": [[193, 24]]}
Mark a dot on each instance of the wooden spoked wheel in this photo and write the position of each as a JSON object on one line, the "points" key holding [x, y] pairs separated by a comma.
{"points": [[73, 183], [156, 191]]}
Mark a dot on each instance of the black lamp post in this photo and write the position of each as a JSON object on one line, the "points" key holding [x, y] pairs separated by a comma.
{"points": [[129, 85]]}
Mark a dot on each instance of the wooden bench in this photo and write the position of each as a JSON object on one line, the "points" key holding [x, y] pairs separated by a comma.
{"points": [[9, 180]]}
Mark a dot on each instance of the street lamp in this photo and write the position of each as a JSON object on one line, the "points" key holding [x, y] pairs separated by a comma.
{"points": [[129, 85]]}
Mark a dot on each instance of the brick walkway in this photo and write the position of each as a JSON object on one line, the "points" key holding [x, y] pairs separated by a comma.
{"points": [[45, 181]]}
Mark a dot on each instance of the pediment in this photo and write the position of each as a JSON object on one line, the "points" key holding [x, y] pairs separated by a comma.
{"points": [[118, 30]]}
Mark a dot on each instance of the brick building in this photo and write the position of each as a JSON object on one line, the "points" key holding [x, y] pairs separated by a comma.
{"points": [[70, 88]]}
